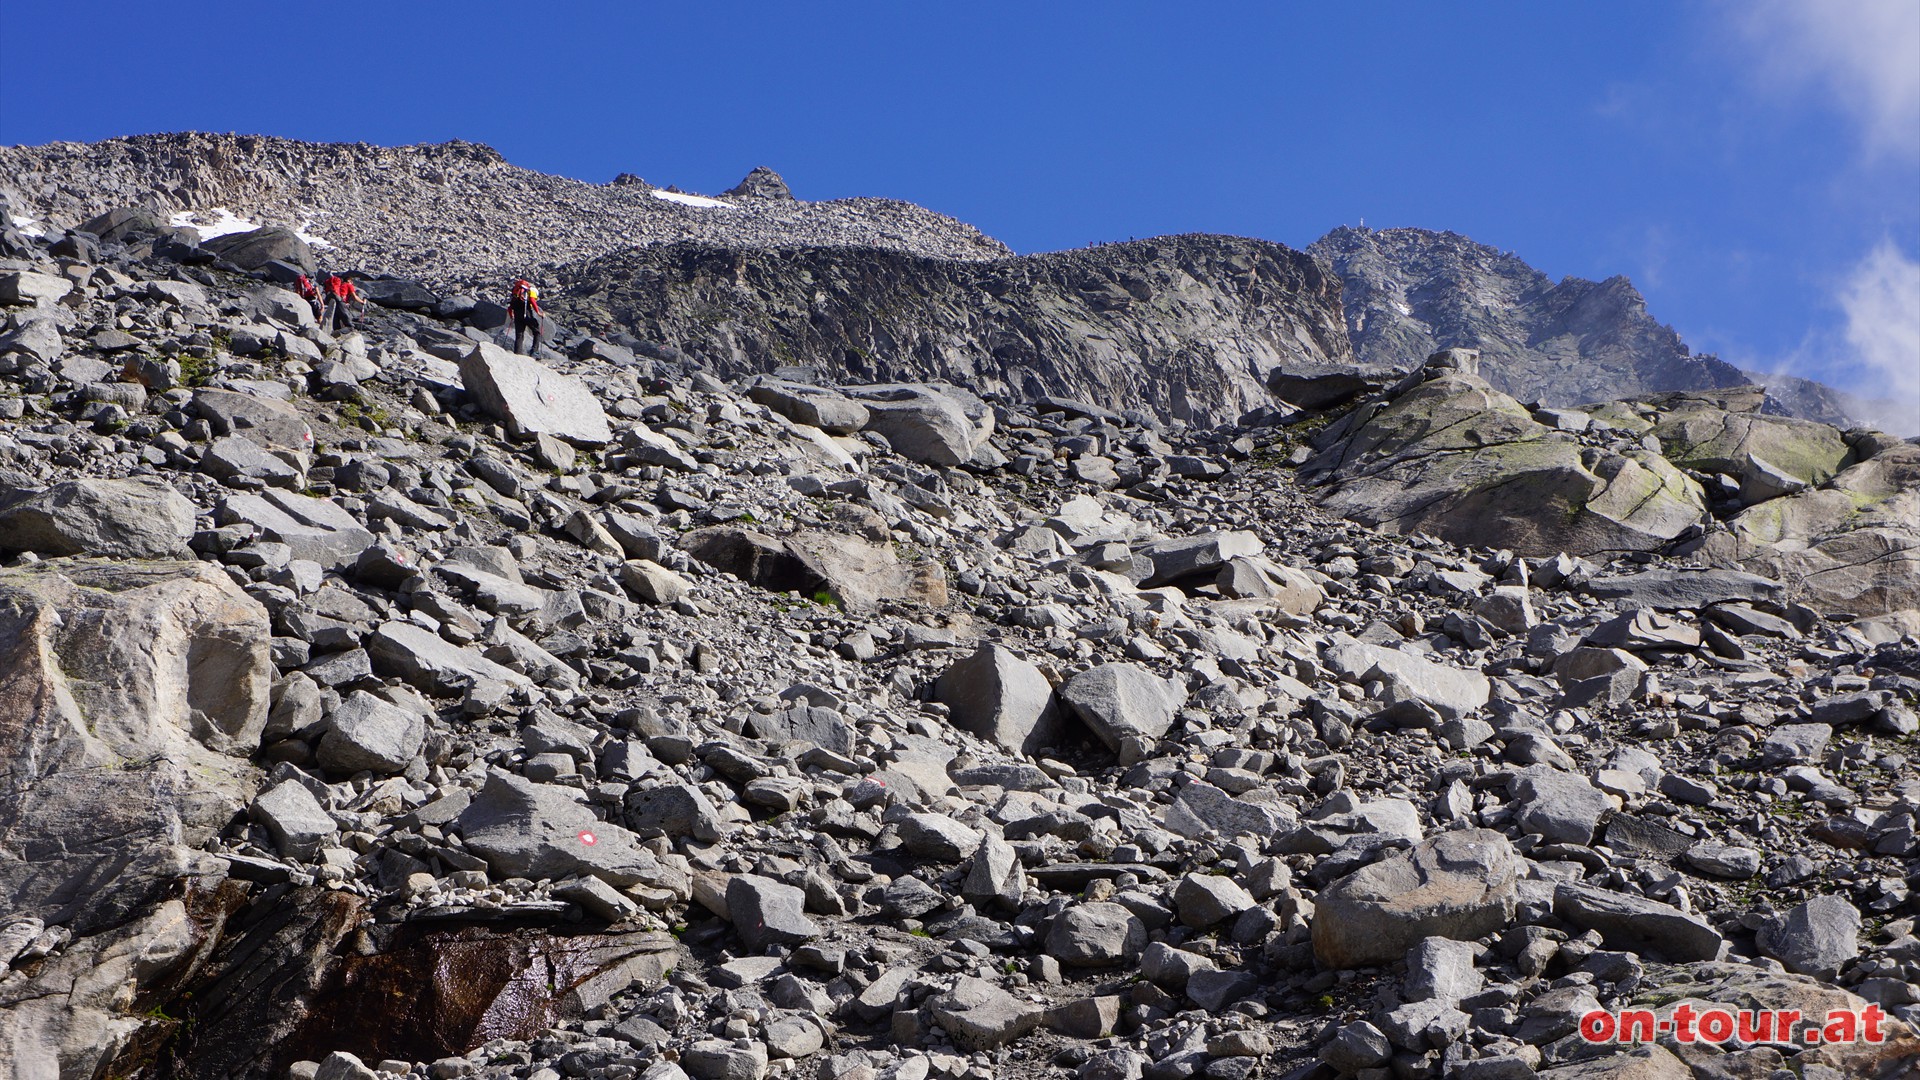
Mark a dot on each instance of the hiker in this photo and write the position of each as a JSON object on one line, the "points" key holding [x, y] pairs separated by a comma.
{"points": [[343, 294], [311, 294], [525, 310]]}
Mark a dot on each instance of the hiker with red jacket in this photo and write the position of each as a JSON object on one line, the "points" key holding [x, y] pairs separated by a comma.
{"points": [[311, 294], [524, 308], [343, 294]]}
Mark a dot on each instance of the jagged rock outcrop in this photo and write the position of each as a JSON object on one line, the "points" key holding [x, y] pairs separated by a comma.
{"points": [[1452, 457], [1410, 292], [1186, 327]]}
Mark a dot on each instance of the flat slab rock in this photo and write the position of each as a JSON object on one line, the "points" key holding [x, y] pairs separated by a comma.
{"points": [[532, 398]]}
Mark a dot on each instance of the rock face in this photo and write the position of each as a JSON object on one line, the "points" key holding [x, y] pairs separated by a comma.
{"points": [[1852, 544], [1410, 292], [1452, 457], [134, 693], [1187, 327]]}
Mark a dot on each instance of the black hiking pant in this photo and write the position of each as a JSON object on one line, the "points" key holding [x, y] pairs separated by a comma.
{"points": [[342, 315], [523, 326]]}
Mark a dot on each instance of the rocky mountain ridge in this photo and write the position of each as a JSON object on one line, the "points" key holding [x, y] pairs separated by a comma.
{"points": [[1187, 328], [454, 215], [1409, 292]]}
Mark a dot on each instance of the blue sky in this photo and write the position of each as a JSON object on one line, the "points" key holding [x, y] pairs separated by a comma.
{"points": [[1753, 166]]}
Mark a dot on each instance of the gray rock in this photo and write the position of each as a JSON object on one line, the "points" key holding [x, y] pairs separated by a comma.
{"points": [[27, 287], [978, 1015], [765, 912], [673, 807], [940, 425], [1686, 590], [1207, 900], [995, 875], [1213, 990], [1119, 701], [999, 696], [1441, 969], [937, 837], [295, 818], [1457, 885], [1724, 860], [654, 583], [1795, 744], [366, 733], [713, 1059], [431, 663], [1637, 923], [1096, 935], [530, 830], [1643, 629], [1449, 691], [1815, 938], [803, 723], [116, 519], [317, 530], [1561, 807], [533, 398], [1355, 1047], [273, 425], [255, 249], [1202, 810], [828, 410], [1192, 556]]}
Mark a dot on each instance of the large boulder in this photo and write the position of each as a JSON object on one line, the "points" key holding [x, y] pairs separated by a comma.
{"points": [[1852, 544], [133, 695], [1452, 457], [828, 410], [937, 424], [856, 573], [532, 398], [999, 696], [275, 425], [318, 530], [255, 249], [531, 830], [1457, 885], [1119, 701], [118, 519]]}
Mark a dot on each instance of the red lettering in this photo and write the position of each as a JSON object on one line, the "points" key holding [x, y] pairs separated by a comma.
{"points": [[1843, 1026], [1638, 1025], [1683, 1023], [1756, 1025], [1784, 1020], [1716, 1026], [1872, 1015], [1597, 1026]]}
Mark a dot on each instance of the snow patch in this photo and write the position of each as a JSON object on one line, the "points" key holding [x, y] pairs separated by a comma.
{"points": [[692, 200], [29, 227], [1402, 308], [225, 222]]}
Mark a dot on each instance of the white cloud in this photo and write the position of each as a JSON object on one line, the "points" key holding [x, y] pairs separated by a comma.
{"points": [[1881, 299], [1864, 54]]}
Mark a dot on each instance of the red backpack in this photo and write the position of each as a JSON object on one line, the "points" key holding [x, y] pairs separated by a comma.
{"points": [[306, 287], [341, 288]]}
